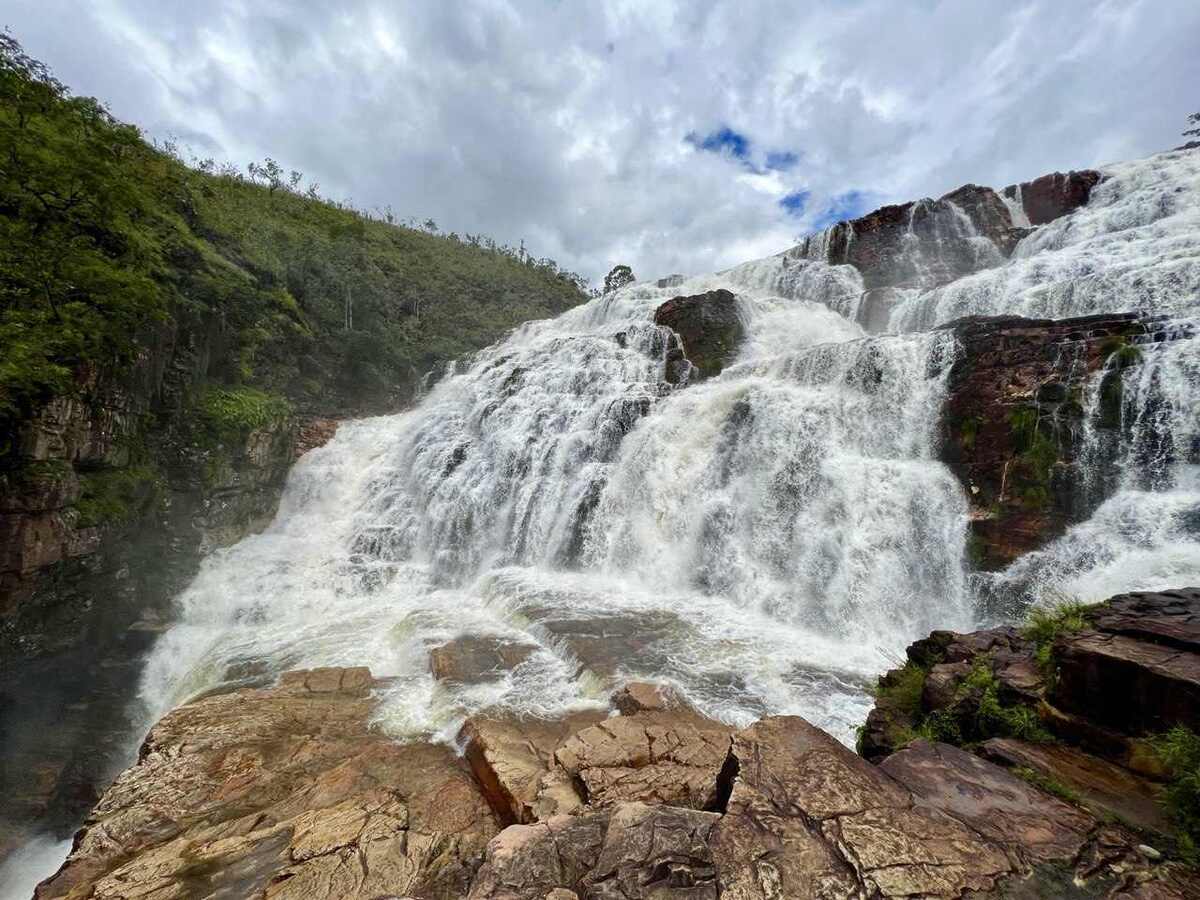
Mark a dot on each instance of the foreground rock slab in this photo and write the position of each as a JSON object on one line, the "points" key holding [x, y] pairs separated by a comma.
{"points": [[283, 792]]}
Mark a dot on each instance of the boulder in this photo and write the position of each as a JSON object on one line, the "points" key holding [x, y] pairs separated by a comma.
{"points": [[281, 792], [1012, 424], [672, 757], [1126, 684], [628, 852], [710, 329], [1003, 808], [513, 760], [1104, 787]]}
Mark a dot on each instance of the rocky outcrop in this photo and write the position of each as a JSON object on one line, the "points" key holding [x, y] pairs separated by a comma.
{"points": [[1012, 426], [284, 792], [1051, 196], [1069, 703], [710, 329], [921, 244], [927, 243], [287, 792]]}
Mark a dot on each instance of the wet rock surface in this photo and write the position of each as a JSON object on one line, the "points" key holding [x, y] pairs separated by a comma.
{"points": [[709, 328], [1047, 198], [287, 792], [1012, 425]]}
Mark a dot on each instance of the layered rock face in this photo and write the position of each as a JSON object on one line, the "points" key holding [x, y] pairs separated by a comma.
{"points": [[1014, 422], [1071, 705], [287, 792]]}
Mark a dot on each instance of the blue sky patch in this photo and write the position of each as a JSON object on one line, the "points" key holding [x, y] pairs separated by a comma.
{"points": [[849, 205], [795, 202], [782, 160], [723, 140]]}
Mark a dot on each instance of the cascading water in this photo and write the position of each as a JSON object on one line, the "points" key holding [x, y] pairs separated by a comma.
{"points": [[768, 539]]}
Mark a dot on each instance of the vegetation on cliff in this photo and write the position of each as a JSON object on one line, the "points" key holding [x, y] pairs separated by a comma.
{"points": [[106, 240]]}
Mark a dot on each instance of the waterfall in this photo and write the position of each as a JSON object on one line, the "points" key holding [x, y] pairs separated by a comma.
{"points": [[1135, 247], [768, 540]]}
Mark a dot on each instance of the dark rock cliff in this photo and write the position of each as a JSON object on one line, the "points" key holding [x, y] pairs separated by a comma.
{"points": [[1013, 425]]}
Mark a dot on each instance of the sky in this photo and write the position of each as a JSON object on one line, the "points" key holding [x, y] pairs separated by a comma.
{"points": [[673, 137]]}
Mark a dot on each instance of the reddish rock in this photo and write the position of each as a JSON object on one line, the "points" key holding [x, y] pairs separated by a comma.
{"points": [[662, 756], [1102, 786], [1129, 685], [1032, 825], [473, 659], [513, 760], [1051, 196], [808, 818], [313, 433], [1011, 425]]}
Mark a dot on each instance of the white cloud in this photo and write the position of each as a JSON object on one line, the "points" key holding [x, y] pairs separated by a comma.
{"points": [[563, 123]]}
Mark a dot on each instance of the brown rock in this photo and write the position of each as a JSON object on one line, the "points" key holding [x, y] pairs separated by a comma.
{"points": [[513, 760], [314, 433], [1051, 196], [1010, 428], [646, 696], [998, 805], [475, 659], [1126, 684], [808, 818], [669, 756], [281, 792], [629, 852], [709, 326], [1099, 785]]}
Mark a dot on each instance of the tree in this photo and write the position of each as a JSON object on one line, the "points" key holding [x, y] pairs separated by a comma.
{"points": [[1193, 119], [620, 276]]}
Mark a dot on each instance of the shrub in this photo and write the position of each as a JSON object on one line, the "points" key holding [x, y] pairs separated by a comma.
{"points": [[237, 411], [118, 496], [1044, 624], [1179, 750]]}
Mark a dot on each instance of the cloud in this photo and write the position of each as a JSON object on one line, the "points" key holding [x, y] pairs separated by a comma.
{"points": [[567, 124]]}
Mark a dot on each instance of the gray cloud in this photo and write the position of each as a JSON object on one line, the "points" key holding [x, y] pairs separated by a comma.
{"points": [[565, 124]]}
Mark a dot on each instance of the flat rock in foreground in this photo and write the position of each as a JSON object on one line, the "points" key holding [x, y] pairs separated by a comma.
{"points": [[281, 793], [287, 793]]}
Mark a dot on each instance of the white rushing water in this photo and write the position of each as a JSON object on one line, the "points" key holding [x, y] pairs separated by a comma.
{"points": [[769, 540]]}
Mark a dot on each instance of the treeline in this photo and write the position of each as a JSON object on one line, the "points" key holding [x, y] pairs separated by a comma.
{"points": [[105, 239]]}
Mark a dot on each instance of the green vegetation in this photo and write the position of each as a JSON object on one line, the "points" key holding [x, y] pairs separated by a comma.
{"points": [[967, 431], [1036, 455], [975, 714], [237, 411], [1122, 353], [1044, 624], [105, 239], [1179, 750], [1047, 783], [118, 496]]}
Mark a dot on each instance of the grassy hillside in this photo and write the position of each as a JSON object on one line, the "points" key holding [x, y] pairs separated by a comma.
{"points": [[105, 239]]}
